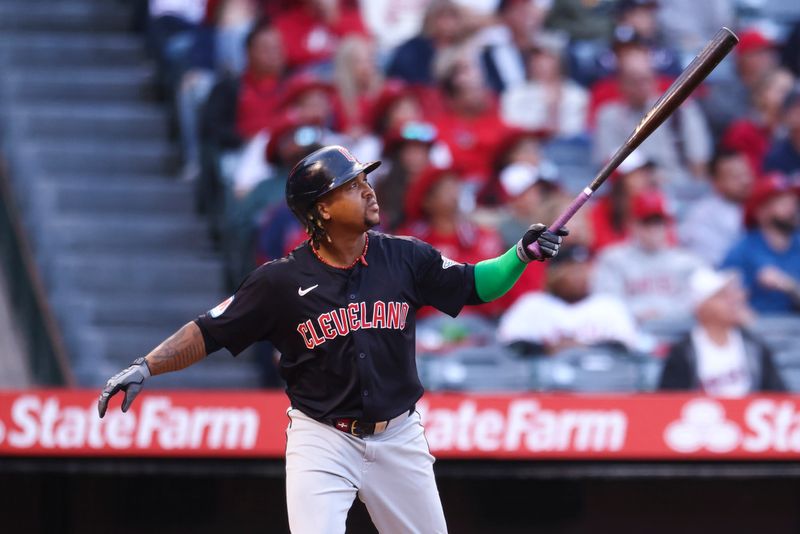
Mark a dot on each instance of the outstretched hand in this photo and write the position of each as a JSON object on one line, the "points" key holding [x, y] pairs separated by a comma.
{"points": [[130, 380]]}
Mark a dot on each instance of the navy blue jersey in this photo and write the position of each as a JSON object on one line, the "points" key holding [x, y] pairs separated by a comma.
{"points": [[346, 335]]}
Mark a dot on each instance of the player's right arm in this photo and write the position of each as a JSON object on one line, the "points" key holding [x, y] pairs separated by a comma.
{"points": [[180, 350]]}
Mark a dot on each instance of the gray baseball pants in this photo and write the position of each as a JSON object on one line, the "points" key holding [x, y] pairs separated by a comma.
{"points": [[391, 472]]}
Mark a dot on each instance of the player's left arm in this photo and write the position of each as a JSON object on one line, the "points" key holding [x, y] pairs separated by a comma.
{"points": [[494, 277]]}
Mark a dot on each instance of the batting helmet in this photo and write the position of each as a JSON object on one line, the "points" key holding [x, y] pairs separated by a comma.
{"points": [[320, 172]]}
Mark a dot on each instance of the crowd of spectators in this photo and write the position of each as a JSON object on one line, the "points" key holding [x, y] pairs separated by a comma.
{"points": [[480, 109]]}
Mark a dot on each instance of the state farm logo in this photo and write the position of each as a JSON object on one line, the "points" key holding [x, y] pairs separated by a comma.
{"points": [[702, 426]]}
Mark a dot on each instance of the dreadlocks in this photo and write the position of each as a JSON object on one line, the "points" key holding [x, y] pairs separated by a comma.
{"points": [[315, 230]]}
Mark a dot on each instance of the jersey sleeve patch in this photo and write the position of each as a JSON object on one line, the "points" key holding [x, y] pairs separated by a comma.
{"points": [[447, 262], [220, 308]]}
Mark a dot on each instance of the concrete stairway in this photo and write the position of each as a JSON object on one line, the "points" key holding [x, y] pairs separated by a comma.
{"points": [[125, 259]]}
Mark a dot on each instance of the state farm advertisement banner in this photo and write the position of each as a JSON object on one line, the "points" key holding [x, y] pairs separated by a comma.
{"points": [[251, 424]]}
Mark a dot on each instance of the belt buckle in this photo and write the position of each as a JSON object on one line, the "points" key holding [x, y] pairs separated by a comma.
{"points": [[354, 429]]}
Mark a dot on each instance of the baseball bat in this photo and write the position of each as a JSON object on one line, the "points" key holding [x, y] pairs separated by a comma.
{"points": [[697, 71]]}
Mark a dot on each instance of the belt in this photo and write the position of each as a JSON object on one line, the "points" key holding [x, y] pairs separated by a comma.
{"points": [[354, 427]]}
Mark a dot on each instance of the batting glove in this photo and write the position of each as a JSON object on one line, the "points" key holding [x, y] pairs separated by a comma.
{"points": [[130, 380], [548, 241]]}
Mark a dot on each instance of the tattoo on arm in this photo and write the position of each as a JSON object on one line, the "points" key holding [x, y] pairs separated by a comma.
{"points": [[181, 349]]}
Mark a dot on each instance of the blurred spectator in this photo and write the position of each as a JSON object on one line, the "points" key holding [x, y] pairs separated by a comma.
{"points": [[714, 223], [392, 22], [433, 207], [784, 154], [358, 82], [728, 100], [567, 315], [790, 54], [406, 153], [470, 124], [312, 29], [637, 26], [313, 99], [753, 133], [261, 83], [647, 272], [689, 24], [515, 146], [504, 62], [582, 20], [233, 20], [413, 60], [176, 36], [611, 216], [768, 256], [396, 104], [719, 357], [548, 100], [681, 146]]}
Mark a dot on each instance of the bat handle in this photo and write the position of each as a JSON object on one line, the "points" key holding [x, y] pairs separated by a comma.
{"points": [[565, 216]]}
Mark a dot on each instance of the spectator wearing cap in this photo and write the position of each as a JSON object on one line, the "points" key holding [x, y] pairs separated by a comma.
{"points": [[611, 217], [753, 134], [260, 91], [756, 56], [567, 314], [784, 154], [406, 153], [504, 61], [396, 104], [313, 99], [647, 271], [714, 223], [442, 27], [312, 29], [719, 356], [470, 123], [768, 256], [516, 145], [681, 146], [547, 99], [637, 26], [435, 215]]}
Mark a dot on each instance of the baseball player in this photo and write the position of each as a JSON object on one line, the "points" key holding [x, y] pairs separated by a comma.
{"points": [[340, 308]]}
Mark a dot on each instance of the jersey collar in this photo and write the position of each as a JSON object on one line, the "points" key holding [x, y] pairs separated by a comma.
{"points": [[361, 259]]}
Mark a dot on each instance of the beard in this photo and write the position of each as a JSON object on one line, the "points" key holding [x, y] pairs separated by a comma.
{"points": [[786, 226]]}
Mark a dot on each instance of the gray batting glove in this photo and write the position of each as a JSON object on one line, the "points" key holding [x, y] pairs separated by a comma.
{"points": [[130, 380], [548, 241]]}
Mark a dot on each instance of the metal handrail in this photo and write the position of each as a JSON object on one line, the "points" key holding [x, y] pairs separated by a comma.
{"points": [[46, 349]]}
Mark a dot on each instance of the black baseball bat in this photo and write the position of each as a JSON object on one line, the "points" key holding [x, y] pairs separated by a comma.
{"points": [[697, 71]]}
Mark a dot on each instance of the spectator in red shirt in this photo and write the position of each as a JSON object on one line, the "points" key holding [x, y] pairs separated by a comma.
{"points": [[611, 216], [312, 30], [470, 124], [434, 209], [752, 135], [261, 83]]}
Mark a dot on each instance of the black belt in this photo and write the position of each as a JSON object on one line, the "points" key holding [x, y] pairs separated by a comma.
{"points": [[357, 428]]}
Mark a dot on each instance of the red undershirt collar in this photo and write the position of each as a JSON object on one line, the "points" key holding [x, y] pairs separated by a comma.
{"points": [[362, 258]]}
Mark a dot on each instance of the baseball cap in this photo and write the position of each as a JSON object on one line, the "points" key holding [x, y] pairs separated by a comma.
{"points": [[300, 84], [635, 161], [752, 41], [765, 188], [705, 282], [650, 205], [517, 178]]}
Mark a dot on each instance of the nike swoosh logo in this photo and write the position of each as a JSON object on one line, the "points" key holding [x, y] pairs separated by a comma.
{"points": [[302, 292]]}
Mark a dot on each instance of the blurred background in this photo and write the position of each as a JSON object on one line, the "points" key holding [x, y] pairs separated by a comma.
{"points": [[144, 148]]}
